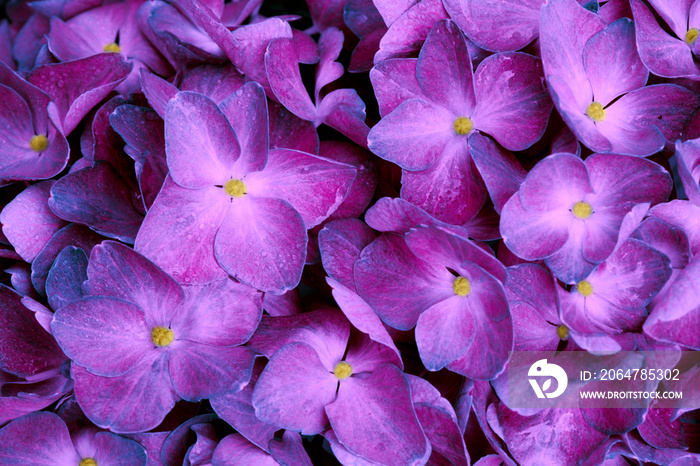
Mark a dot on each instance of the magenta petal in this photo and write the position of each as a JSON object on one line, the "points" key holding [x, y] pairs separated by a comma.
{"points": [[234, 450], [374, 418], [216, 82], [663, 109], [484, 357], [290, 450], [37, 438], [409, 30], [111, 450], [344, 110], [204, 371], [330, 43], [341, 243], [504, 26], [281, 63], [444, 70], [70, 235], [396, 215], [120, 272], [27, 221], [28, 349], [326, 331], [108, 336], [664, 54], [198, 216], [620, 180], [287, 131], [451, 189], [74, 98], [262, 242], [612, 63], [314, 186], [200, 143], [398, 285], [562, 49], [394, 82], [99, 198], [237, 409], [294, 389], [437, 245], [573, 114], [512, 102], [361, 315], [660, 432], [688, 159], [238, 311], [64, 283], [414, 135], [134, 402], [500, 169], [246, 110], [444, 332], [158, 91], [532, 235], [574, 440]]}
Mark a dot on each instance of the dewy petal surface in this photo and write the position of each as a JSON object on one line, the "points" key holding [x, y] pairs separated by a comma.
{"points": [[118, 271], [612, 64], [398, 285], [108, 336], [262, 242], [502, 26], [512, 103], [179, 230], [294, 389], [204, 371], [374, 418], [35, 439], [444, 69], [414, 135], [200, 143], [314, 186], [134, 402]]}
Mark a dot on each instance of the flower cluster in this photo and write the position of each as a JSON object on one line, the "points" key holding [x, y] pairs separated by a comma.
{"points": [[266, 232]]}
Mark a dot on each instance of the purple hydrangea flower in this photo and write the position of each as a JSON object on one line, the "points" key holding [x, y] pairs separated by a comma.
{"points": [[432, 109], [568, 211], [597, 81], [110, 28], [671, 54], [448, 288], [318, 375], [245, 210], [33, 147], [139, 342], [43, 438]]}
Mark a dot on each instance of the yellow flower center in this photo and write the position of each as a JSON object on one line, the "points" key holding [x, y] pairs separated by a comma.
{"points": [[39, 143], [87, 462], [595, 112], [235, 188], [461, 286], [691, 35], [563, 332], [162, 336], [463, 126], [582, 209], [585, 288], [112, 47], [342, 370]]}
